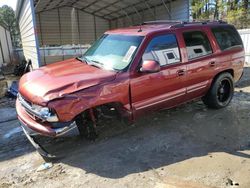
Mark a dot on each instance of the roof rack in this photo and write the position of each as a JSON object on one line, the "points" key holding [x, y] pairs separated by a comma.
{"points": [[178, 23], [162, 22]]}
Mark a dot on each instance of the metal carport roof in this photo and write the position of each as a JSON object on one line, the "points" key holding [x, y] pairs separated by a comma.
{"points": [[106, 9], [77, 23]]}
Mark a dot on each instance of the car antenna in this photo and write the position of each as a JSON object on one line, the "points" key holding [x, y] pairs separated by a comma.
{"points": [[140, 30]]}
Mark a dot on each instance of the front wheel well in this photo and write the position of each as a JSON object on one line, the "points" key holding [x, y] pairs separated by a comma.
{"points": [[108, 109], [88, 120]]}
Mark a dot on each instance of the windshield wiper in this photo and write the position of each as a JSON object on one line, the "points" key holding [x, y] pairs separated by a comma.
{"points": [[95, 63], [98, 62], [83, 59], [91, 62], [101, 65]]}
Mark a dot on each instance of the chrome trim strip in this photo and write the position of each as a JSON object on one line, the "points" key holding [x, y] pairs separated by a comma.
{"points": [[64, 130], [157, 102], [195, 89], [28, 107]]}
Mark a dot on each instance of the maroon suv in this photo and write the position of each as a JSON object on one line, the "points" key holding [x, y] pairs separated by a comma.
{"points": [[132, 71]]}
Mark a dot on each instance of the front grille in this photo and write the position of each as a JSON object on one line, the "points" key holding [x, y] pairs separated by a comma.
{"points": [[22, 100], [28, 108]]}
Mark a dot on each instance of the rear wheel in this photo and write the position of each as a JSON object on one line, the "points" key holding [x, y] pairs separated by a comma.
{"points": [[221, 92]]}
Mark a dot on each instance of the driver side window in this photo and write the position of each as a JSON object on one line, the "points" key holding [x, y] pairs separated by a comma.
{"points": [[163, 49]]}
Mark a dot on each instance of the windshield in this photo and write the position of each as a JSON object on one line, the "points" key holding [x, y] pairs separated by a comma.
{"points": [[113, 52]]}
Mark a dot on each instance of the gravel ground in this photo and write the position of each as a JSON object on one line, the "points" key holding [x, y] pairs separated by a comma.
{"points": [[189, 146]]}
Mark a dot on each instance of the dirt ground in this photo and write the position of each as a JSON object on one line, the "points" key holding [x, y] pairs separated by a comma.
{"points": [[189, 146]]}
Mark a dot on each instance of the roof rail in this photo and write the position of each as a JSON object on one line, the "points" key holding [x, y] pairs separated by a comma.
{"points": [[162, 22], [197, 23], [179, 23]]}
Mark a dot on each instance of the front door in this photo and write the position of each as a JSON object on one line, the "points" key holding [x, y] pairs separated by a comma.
{"points": [[163, 89]]}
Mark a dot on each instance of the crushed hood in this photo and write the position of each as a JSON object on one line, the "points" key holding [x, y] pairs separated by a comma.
{"points": [[62, 78]]}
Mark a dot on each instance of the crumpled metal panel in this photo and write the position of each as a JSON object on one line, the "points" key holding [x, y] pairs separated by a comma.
{"points": [[59, 79], [116, 91], [70, 87]]}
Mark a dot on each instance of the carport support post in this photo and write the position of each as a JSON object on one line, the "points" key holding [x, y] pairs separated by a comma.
{"points": [[168, 9], [1, 47], [7, 44], [41, 35], [95, 27], [79, 32], [150, 10], [60, 30], [109, 24]]}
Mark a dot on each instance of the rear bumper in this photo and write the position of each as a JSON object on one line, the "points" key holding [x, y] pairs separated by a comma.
{"points": [[43, 128]]}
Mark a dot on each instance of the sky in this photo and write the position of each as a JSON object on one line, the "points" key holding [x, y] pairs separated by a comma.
{"points": [[11, 3]]}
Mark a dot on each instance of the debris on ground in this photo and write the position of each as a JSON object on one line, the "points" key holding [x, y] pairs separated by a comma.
{"points": [[44, 166], [8, 69], [7, 114], [13, 89], [22, 68], [231, 182], [6, 102], [9, 86], [1, 75], [3, 88]]}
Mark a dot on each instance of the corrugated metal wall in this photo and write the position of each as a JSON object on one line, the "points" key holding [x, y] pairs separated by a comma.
{"points": [[48, 28], [178, 10], [28, 34], [67, 26], [245, 35], [86, 27], [6, 48]]}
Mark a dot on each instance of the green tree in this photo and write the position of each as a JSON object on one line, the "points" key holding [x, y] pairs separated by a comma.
{"points": [[8, 19], [236, 12]]}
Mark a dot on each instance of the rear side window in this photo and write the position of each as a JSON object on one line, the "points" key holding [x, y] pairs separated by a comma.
{"points": [[227, 37], [197, 44], [163, 49]]}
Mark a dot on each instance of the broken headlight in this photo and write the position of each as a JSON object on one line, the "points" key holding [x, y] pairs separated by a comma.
{"points": [[45, 113]]}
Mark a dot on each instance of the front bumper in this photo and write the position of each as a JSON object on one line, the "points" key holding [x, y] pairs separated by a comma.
{"points": [[42, 128], [40, 149]]}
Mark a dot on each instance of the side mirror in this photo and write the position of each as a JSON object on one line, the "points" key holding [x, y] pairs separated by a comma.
{"points": [[150, 66]]}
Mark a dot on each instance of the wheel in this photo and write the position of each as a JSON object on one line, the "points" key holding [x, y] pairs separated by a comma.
{"points": [[86, 127], [221, 92]]}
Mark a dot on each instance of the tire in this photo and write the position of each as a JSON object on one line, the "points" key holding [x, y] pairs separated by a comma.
{"points": [[86, 127], [221, 92]]}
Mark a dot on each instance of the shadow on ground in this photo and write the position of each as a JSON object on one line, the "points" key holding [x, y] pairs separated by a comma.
{"points": [[160, 139]]}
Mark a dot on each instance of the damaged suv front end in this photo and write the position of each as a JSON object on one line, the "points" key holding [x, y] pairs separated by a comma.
{"points": [[40, 120], [56, 98]]}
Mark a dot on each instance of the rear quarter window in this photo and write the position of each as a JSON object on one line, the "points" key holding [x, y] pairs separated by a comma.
{"points": [[227, 37]]}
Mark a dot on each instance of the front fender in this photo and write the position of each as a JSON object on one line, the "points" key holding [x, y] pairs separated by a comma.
{"points": [[68, 107]]}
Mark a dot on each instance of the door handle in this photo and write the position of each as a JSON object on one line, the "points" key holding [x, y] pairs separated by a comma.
{"points": [[181, 72], [212, 63]]}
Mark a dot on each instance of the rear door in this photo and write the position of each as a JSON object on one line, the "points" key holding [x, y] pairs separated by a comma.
{"points": [[200, 62]]}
